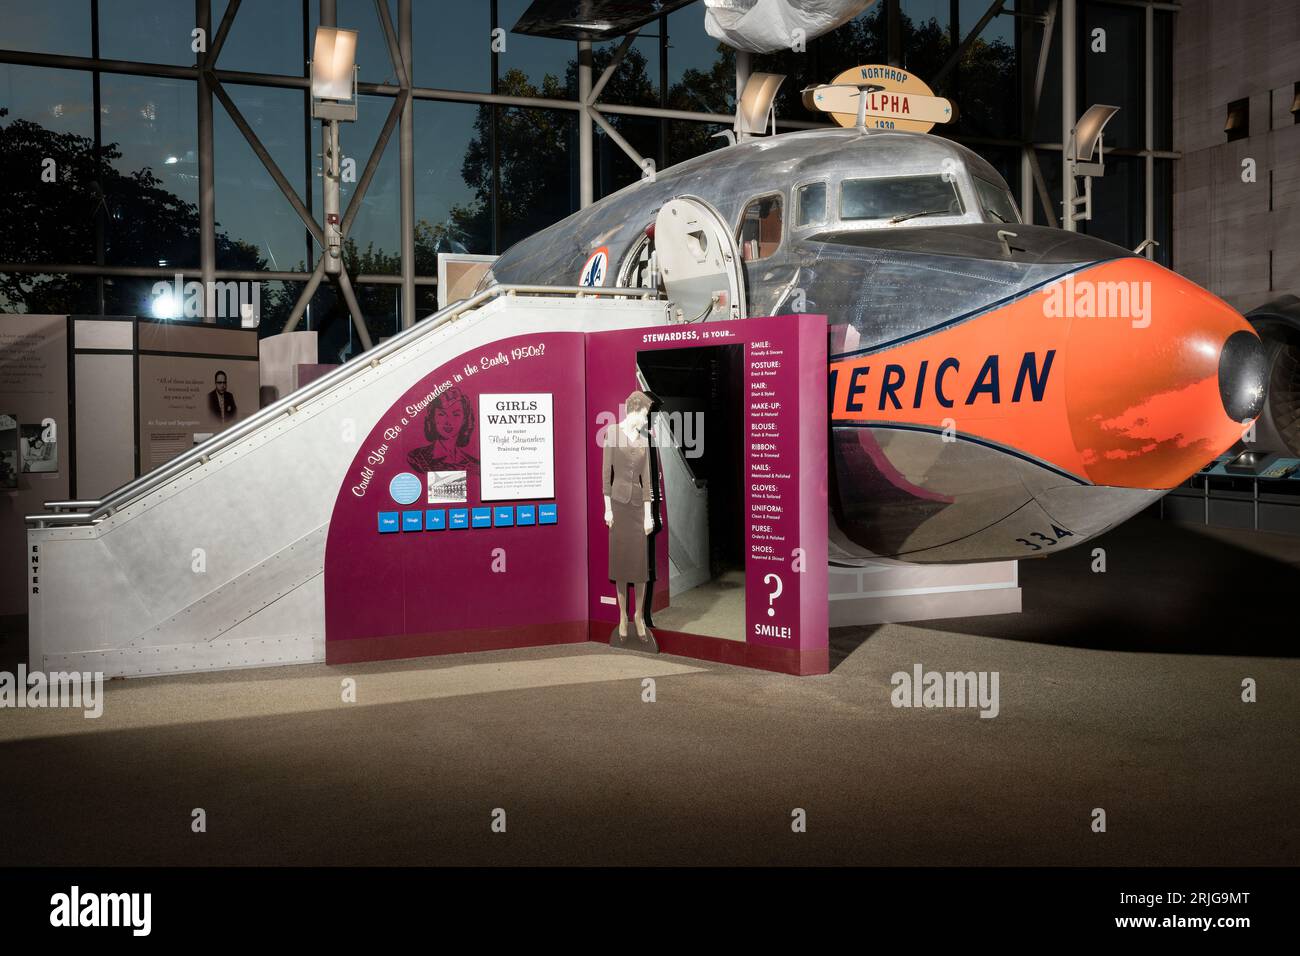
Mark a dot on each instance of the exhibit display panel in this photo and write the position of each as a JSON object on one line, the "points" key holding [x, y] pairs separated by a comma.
{"points": [[193, 380], [471, 516], [455, 529], [33, 424], [104, 403], [220, 566], [763, 602]]}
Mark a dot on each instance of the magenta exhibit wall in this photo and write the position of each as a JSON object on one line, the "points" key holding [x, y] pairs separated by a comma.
{"points": [[471, 517], [784, 476], [418, 560]]}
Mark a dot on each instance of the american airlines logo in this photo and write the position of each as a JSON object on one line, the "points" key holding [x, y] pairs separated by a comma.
{"points": [[860, 387]]}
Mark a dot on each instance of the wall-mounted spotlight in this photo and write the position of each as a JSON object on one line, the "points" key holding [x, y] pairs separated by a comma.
{"points": [[1085, 144], [333, 100], [756, 112], [1085, 138], [333, 69]]}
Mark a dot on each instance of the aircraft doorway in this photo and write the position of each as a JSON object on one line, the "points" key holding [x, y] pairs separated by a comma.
{"points": [[690, 256], [700, 425]]}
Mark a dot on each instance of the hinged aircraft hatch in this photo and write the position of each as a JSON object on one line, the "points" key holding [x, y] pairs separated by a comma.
{"points": [[699, 262]]}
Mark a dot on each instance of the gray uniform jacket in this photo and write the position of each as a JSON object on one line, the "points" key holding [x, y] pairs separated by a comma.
{"points": [[625, 472]]}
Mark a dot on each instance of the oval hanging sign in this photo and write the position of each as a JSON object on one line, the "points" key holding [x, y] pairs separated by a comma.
{"points": [[901, 100]]}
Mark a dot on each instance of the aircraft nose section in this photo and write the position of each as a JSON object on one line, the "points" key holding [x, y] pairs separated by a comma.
{"points": [[1163, 376], [1243, 373]]}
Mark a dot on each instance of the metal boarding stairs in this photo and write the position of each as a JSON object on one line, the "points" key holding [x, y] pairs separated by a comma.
{"points": [[64, 513], [215, 560]]}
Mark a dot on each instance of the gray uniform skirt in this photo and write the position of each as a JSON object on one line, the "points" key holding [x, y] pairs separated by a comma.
{"points": [[629, 545]]}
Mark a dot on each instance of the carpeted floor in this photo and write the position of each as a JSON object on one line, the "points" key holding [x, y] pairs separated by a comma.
{"points": [[1119, 691], [715, 609]]}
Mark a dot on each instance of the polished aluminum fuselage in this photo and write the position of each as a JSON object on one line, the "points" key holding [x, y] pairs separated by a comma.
{"points": [[895, 492]]}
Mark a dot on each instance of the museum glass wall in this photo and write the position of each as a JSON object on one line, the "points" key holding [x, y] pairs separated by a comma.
{"points": [[111, 92]]}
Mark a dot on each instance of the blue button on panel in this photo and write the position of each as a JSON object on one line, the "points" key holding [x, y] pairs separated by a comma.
{"points": [[481, 517], [526, 514], [405, 488], [412, 521], [503, 516], [435, 519], [546, 514], [458, 518], [388, 522]]}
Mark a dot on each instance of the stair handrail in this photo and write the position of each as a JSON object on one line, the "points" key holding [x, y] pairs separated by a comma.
{"points": [[85, 512]]}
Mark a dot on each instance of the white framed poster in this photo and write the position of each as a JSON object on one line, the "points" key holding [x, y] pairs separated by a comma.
{"points": [[516, 446]]}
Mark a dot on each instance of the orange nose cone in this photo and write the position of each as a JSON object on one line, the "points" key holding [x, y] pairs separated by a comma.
{"points": [[1162, 375]]}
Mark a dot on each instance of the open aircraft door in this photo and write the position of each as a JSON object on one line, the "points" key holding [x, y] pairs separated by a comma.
{"points": [[699, 262]]}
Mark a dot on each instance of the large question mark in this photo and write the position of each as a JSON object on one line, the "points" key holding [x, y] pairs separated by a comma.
{"points": [[768, 579]]}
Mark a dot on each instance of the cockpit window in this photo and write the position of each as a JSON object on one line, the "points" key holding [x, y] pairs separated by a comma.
{"points": [[811, 204], [995, 202], [898, 198], [760, 228]]}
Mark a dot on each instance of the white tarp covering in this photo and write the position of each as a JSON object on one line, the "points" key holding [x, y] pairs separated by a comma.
{"points": [[763, 26]]}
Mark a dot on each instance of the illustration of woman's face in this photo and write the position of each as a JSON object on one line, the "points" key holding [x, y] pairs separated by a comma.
{"points": [[448, 419]]}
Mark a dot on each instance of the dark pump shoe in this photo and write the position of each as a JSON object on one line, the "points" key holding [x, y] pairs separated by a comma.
{"points": [[644, 642], [633, 641]]}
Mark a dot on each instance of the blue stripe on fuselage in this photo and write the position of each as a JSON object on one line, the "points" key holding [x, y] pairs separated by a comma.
{"points": [[964, 317]]}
